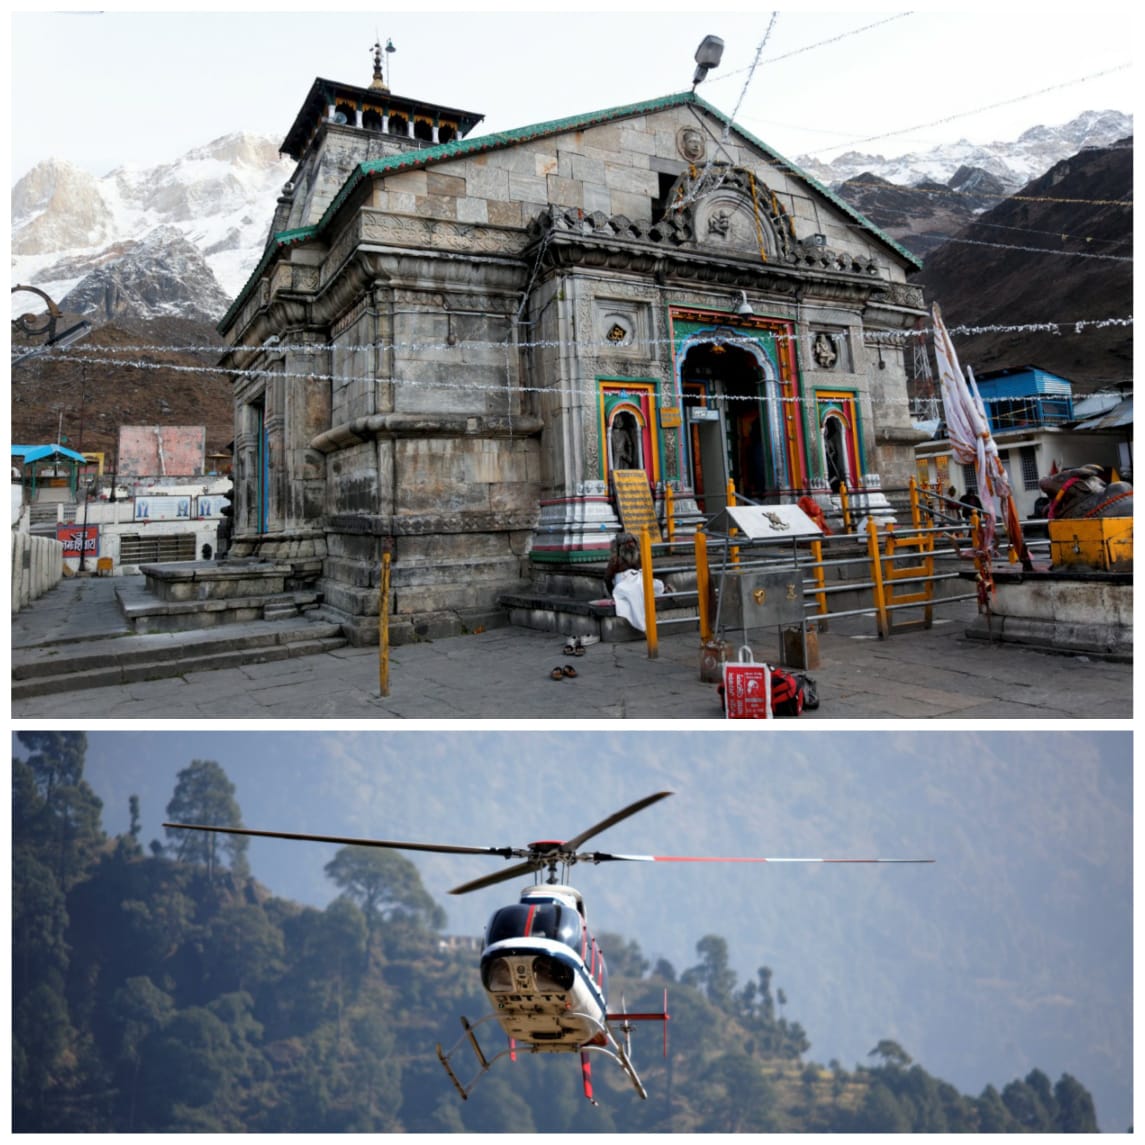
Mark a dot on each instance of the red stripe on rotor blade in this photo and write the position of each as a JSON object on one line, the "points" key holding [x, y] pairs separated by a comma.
{"points": [[586, 1074], [741, 859]]}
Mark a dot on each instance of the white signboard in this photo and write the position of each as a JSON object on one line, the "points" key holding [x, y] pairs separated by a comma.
{"points": [[162, 508], [767, 522]]}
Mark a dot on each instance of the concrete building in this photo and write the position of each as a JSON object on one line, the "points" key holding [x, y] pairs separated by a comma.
{"points": [[1040, 427], [450, 344]]}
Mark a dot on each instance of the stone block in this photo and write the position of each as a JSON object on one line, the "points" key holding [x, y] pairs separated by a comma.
{"points": [[435, 207], [484, 180], [636, 207], [634, 139], [632, 180], [528, 189], [448, 186], [472, 211], [504, 214], [564, 192]]}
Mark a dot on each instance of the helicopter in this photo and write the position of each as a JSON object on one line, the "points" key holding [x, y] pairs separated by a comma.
{"points": [[542, 971]]}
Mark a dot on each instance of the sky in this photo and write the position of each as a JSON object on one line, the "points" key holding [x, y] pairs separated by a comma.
{"points": [[120, 88]]}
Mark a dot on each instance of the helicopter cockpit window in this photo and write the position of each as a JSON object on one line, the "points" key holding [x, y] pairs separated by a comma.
{"points": [[540, 920]]}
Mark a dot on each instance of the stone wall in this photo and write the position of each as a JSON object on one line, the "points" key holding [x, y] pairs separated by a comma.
{"points": [[37, 565]]}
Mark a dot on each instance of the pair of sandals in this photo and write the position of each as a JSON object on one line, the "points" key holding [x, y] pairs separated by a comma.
{"points": [[560, 673], [574, 648]]}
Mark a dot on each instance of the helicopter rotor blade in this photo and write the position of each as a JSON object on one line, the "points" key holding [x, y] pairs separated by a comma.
{"points": [[501, 876], [444, 848], [612, 820], [600, 857]]}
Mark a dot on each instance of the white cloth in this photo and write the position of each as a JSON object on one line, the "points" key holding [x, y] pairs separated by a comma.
{"points": [[628, 594], [968, 429]]}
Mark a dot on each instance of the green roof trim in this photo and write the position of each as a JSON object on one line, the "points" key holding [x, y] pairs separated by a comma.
{"points": [[461, 148]]}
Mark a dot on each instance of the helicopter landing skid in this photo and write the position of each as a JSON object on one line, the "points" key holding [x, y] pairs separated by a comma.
{"points": [[613, 1050], [484, 1064]]}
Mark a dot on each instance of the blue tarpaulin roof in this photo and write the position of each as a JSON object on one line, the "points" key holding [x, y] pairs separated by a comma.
{"points": [[31, 453]]}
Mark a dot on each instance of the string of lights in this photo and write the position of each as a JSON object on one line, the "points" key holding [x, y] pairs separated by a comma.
{"points": [[90, 357], [1001, 196], [1075, 326], [1064, 235], [586, 390], [1035, 249]]}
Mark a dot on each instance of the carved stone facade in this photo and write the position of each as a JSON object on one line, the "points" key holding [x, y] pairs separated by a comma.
{"points": [[450, 348]]}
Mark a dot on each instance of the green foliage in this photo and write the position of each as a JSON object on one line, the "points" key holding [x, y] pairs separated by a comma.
{"points": [[204, 795], [162, 993]]}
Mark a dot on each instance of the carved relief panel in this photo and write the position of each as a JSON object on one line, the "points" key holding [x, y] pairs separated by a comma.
{"points": [[829, 350]]}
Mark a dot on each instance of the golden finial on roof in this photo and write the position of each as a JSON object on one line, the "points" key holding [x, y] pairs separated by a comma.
{"points": [[379, 83]]}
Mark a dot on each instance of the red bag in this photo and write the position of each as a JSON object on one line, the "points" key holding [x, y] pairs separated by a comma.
{"points": [[753, 691], [746, 690]]}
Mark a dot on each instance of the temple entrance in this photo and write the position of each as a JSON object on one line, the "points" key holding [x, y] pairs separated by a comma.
{"points": [[730, 433], [835, 448]]}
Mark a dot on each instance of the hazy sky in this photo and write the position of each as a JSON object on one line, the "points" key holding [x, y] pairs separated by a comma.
{"points": [[111, 88]]}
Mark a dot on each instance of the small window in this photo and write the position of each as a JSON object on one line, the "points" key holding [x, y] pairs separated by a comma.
{"points": [[970, 478], [1029, 457], [661, 204]]}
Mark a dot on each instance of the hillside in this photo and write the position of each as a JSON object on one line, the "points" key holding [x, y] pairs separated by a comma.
{"points": [[163, 988], [1060, 251], [114, 377]]}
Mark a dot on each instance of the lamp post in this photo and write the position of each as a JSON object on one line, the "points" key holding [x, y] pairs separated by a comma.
{"points": [[29, 324]]}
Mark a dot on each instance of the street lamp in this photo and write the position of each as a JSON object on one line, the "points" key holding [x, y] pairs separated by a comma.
{"points": [[28, 324]]}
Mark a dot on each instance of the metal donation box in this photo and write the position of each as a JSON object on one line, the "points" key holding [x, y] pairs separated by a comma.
{"points": [[763, 599]]}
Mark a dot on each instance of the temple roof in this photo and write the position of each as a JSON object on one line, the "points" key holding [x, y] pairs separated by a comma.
{"points": [[324, 92], [461, 148]]}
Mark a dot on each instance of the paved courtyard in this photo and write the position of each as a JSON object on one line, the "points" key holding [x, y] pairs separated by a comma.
{"points": [[504, 674]]}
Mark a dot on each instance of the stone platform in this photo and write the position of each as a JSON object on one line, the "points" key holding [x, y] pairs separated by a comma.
{"points": [[189, 595], [1060, 610]]}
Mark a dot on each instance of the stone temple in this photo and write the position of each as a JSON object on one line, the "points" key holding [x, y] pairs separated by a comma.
{"points": [[452, 341]]}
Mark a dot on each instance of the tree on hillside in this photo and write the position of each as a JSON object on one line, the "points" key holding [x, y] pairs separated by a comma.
{"points": [[385, 885], [55, 813], [204, 795], [1075, 1109], [714, 974], [892, 1054]]}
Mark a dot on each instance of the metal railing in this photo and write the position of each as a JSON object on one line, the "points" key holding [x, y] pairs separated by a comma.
{"points": [[879, 554]]}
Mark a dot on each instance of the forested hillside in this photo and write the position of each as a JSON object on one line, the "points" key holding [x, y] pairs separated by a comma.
{"points": [[157, 987]]}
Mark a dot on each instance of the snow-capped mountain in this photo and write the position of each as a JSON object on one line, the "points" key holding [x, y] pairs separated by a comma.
{"points": [[70, 229], [204, 218], [1013, 164]]}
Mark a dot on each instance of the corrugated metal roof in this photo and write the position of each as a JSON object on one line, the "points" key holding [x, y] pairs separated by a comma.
{"points": [[1120, 417], [460, 148]]}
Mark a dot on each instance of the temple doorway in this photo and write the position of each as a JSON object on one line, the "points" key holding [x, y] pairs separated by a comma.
{"points": [[731, 432]]}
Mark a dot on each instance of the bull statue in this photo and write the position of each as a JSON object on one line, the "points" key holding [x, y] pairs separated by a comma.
{"points": [[1083, 492]]}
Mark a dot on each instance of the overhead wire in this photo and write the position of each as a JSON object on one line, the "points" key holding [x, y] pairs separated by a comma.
{"points": [[985, 107], [812, 47]]}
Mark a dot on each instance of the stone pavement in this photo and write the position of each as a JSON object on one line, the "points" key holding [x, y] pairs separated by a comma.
{"points": [[504, 674]]}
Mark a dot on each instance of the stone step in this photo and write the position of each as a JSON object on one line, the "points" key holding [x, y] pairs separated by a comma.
{"points": [[570, 616], [107, 662], [146, 613]]}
